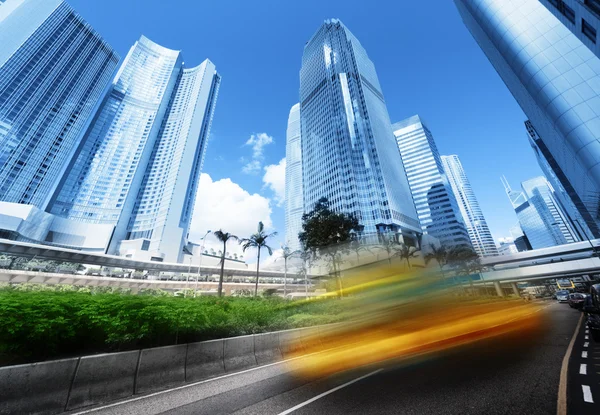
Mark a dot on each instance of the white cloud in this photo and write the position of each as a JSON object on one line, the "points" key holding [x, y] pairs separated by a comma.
{"points": [[258, 143], [223, 204], [274, 179]]}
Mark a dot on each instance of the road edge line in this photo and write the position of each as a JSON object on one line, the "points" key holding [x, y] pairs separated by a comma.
{"points": [[561, 403]]}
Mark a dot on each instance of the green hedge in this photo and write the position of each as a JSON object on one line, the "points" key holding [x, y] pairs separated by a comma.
{"points": [[37, 325]]}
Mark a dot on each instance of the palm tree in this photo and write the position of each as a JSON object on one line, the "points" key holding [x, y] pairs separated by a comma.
{"points": [[223, 237], [388, 245], [406, 252], [356, 246], [440, 255], [258, 240], [286, 254]]}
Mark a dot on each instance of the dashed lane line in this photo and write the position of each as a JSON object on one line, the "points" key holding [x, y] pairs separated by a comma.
{"points": [[587, 394], [584, 355], [583, 369]]}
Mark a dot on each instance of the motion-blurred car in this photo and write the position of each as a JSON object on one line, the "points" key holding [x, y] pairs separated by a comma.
{"points": [[562, 296], [576, 300]]}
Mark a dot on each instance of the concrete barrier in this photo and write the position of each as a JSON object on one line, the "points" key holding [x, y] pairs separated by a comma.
{"points": [[238, 353], [161, 368], [266, 348], [204, 360], [103, 378], [37, 388], [292, 342]]}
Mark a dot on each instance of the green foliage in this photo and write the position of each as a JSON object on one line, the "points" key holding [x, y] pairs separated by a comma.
{"points": [[258, 240], [37, 323], [323, 228]]}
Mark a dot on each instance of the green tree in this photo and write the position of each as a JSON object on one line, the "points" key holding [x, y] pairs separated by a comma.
{"points": [[258, 240], [464, 261], [223, 237], [440, 255], [357, 247], [324, 232], [406, 252]]}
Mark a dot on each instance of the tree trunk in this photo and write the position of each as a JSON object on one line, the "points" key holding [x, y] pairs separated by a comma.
{"points": [[285, 277], [222, 271], [257, 266], [408, 262]]}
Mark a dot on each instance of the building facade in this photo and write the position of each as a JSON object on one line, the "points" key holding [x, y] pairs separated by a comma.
{"points": [[555, 77], [139, 164], [349, 154], [540, 215], [294, 208], [54, 70], [129, 169], [479, 232], [437, 209]]}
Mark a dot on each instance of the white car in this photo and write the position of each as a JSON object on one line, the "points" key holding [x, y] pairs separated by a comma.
{"points": [[562, 296]]}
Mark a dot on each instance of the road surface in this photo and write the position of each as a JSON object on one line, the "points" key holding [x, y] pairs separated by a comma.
{"points": [[520, 377]]}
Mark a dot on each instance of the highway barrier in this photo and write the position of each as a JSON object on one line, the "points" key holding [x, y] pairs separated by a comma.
{"points": [[57, 386]]}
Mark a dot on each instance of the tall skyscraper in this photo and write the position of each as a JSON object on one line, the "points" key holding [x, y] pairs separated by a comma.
{"points": [[554, 77], [54, 69], [540, 215], [138, 166], [479, 232], [556, 178], [294, 207], [436, 205], [349, 154]]}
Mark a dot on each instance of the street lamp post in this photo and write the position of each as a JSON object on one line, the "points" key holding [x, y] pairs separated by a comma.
{"points": [[200, 262], [187, 281]]}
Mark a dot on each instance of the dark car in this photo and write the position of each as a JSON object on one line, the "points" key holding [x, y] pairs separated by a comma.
{"points": [[576, 300], [592, 310]]}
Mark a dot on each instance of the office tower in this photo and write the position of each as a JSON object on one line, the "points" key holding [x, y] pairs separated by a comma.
{"points": [[540, 215], [349, 154], [138, 166], [481, 237], [506, 246], [565, 195], [54, 69], [437, 209], [293, 180], [581, 17], [555, 78]]}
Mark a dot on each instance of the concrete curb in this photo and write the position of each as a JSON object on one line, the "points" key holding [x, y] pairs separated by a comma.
{"points": [[266, 348], [103, 377], [204, 359], [38, 388], [238, 353], [161, 368]]}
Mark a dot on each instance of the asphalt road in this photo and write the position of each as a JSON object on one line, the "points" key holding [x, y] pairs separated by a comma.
{"points": [[520, 376]]}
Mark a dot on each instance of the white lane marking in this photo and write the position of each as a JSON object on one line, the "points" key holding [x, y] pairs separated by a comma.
{"points": [[587, 337], [587, 394], [289, 411], [586, 344], [561, 401], [583, 369], [584, 355]]}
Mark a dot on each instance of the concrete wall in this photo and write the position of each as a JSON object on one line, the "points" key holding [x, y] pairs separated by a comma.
{"points": [[65, 385]]}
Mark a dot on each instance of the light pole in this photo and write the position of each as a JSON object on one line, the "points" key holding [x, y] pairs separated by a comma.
{"points": [[200, 261], [187, 281]]}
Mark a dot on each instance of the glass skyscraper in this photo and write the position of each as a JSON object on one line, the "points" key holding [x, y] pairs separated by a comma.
{"points": [[138, 166], [540, 215], [435, 203], [555, 78], [349, 154], [479, 232], [54, 69], [294, 208]]}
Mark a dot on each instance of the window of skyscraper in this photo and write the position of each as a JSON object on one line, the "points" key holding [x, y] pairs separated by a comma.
{"points": [[565, 10], [588, 30], [593, 5]]}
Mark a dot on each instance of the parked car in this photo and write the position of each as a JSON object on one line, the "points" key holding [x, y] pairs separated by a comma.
{"points": [[592, 310], [576, 300], [562, 296]]}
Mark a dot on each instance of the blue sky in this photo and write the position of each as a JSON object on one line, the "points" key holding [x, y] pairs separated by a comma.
{"points": [[426, 60]]}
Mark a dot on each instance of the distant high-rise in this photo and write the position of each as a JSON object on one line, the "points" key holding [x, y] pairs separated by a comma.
{"points": [[540, 215], [479, 232], [138, 166], [294, 208], [434, 200], [552, 68], [563, 190], [54, 70], [349, 154]]}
